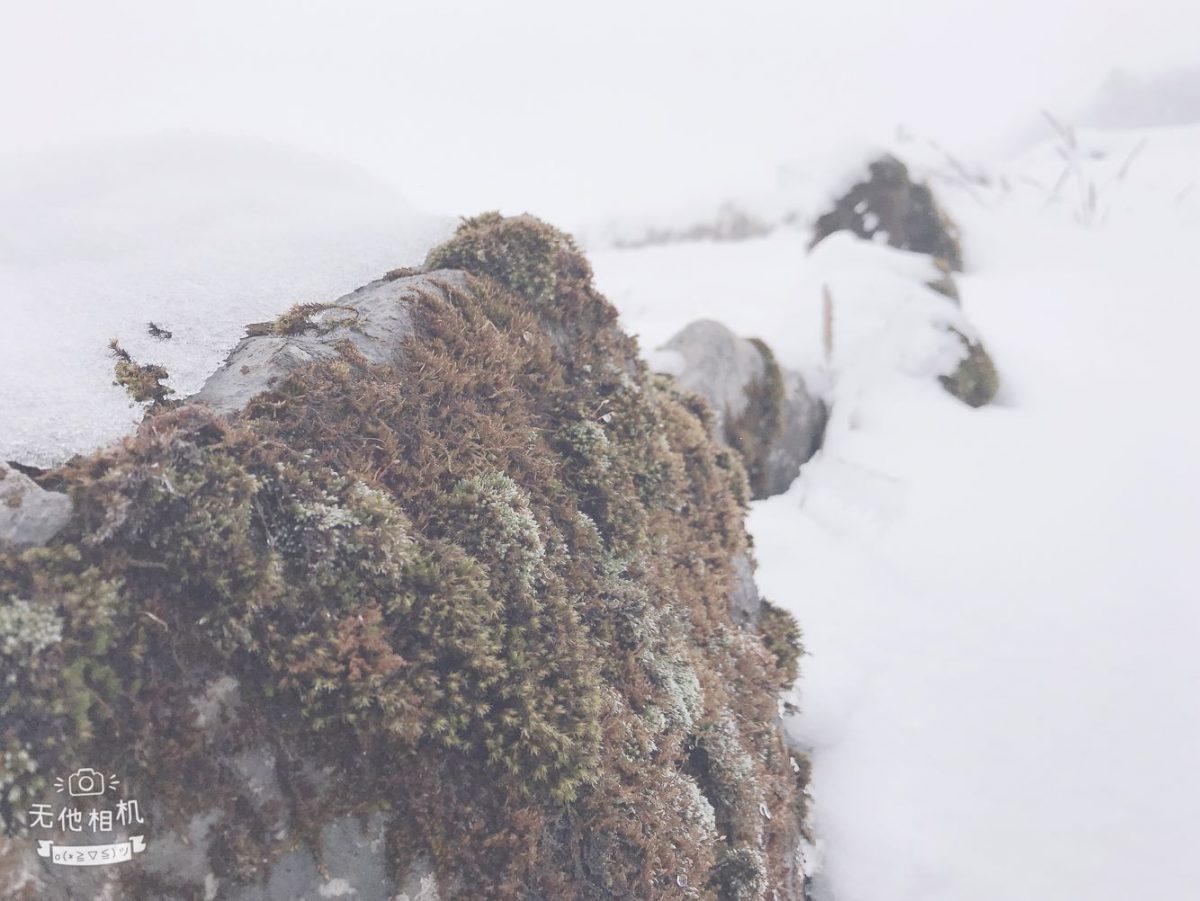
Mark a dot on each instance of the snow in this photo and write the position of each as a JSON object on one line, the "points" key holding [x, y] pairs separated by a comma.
{"points": [[999, 604], [198, 234]]}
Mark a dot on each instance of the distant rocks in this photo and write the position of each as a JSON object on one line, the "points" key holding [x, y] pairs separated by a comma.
{"points": [[29, 515], [761, 410], [975, 381], [890, 207]]}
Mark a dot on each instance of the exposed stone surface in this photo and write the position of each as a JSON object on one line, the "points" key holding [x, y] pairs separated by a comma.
{"points": [[29, 515], [763, 411], [889, 206], [744, 601], [374, 320]]}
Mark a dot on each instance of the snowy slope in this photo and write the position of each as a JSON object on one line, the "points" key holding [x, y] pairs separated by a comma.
{"points": [[1000, 604], [197, 234]]}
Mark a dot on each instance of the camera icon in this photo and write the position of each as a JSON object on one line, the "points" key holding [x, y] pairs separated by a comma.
{"points": [[85, 783]]}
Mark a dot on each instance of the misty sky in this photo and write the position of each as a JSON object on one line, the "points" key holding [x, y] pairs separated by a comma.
{"points": [[567, 110]]}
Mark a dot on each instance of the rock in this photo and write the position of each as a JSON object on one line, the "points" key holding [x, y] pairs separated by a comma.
{"points": [[29, 515], [372, 322], [889, 206], [426, 595], [975, 381], [744, 601], [761, 410]]}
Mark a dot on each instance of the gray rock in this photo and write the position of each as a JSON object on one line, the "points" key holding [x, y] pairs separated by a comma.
{"points": [[761, 410], [29, 515], [354, 853], [183, 858], [374, 321], [717, 365], [799, 438], [744, 600]]}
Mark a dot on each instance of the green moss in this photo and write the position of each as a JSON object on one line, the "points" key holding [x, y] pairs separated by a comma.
{"points": [[521, 253], [142, 382]]}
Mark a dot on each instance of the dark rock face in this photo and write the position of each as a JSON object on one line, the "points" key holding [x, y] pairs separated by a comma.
{"points": [[426, 595], [761, 410], [890, 206]]}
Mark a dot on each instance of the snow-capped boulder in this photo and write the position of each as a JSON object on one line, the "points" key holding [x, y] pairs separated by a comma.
{"points": [[760, 409], [29, 515], [889, 206], [896, 312]]}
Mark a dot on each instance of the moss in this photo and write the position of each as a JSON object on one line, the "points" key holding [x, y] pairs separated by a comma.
{"points": [[741, 876], [758, 426], [303, 317], [781, 634], [522, 254], [142, 382], [483, 588]]}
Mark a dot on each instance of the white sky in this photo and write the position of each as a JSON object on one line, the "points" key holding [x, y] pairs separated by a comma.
{"points": [[564, 109]]}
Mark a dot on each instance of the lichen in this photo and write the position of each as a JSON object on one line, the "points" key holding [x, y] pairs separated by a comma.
{"points": [[26, 630]]}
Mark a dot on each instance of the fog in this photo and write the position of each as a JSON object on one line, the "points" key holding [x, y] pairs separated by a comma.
{"points": [[569, 111]]}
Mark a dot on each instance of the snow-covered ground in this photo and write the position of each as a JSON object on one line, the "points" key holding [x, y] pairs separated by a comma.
{"points": [[1000, 605], [199, 235]]}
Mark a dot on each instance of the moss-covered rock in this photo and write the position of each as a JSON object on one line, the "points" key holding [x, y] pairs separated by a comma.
{"points": [[761, 410], [888, 205], [459, 570], [975, 380]]}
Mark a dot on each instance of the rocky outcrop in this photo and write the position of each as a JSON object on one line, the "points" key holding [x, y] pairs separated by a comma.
{"points": [[372, 323], [760, 409], [431, 592], [29, 515], [889, 206]]}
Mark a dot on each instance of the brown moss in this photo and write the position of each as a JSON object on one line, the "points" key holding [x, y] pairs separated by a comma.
{"points": [[487, 585], [781, 634], [142, 382]]}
